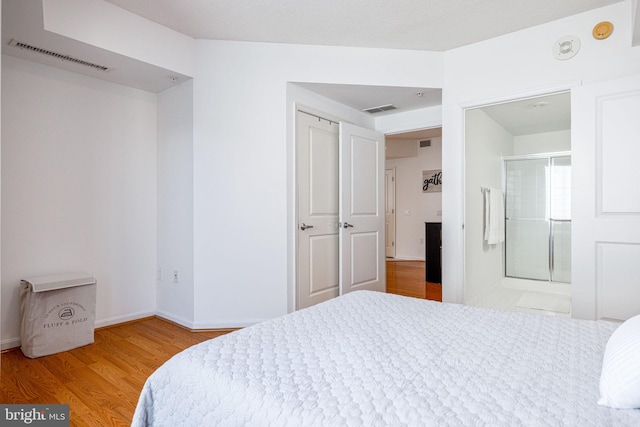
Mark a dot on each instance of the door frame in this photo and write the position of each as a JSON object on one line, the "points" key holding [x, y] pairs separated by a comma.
{"points": [[390, 133], [393, 172], [300, 101], [454, 239]]}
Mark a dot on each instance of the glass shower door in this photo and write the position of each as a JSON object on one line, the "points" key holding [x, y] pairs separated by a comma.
{"points": [[527, 224], [560, 216], [538, 218]]}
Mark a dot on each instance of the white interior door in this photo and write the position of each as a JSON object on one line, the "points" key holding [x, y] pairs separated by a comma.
{"points": [[606, 202], [362, 219], [390, 212], [318, 246]]}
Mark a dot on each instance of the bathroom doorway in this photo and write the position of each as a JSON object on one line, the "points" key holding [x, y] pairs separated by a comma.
{"points": [[516, 148]]}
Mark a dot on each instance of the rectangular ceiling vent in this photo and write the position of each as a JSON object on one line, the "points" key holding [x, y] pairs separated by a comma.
{"points": [[379, 109], [425, 143], [59, 56]]}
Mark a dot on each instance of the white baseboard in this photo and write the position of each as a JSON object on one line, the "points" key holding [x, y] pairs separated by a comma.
{"points": [[9, 343], [406, 258], [175, 319], [122, 319], [227, 324], [190, 324]]}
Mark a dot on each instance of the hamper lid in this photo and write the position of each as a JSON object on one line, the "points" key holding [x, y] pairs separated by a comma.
{"points": [[52, 282]]}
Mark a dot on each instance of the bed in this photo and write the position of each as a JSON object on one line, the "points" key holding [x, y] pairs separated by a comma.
{"points": [[375, 359]]}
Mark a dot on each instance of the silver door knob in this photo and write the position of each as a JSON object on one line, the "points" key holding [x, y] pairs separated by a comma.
{"points": [[304, 226], [346, 224]]}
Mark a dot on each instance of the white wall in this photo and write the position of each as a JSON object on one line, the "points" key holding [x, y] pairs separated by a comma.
{"points": [[78, 188], [422, 207], [175, 204], [508, 67], [399, 148], [243, 135], [486, 142], [109, 27], [299, 97], [543, 142], [423, 118]]}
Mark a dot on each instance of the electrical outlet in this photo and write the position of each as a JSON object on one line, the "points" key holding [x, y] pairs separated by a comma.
{"points": [[175, 276]]}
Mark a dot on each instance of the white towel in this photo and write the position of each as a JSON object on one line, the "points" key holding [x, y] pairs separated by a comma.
{"points": [[494, 216]]}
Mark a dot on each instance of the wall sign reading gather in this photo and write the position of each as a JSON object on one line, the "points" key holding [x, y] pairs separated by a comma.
{"points": [[432, 181]]}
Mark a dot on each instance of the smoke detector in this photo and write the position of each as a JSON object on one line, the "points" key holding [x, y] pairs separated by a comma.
{"points": [[566, 47]]}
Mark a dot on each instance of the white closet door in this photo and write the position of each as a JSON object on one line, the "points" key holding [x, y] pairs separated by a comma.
{"points": [[318, 247], [362, 213]]}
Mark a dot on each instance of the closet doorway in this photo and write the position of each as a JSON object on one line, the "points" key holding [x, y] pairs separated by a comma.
{"points": [[340, 208], [416, 107]]}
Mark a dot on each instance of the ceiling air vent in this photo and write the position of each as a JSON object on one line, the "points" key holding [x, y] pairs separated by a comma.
{"points": [[379, 109], [59, 56], [425, 143]]}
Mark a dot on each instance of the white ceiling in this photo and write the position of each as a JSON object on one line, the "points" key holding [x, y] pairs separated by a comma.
{"points": [[22, 20], [435, 25], [362, 97], [534, 115]]}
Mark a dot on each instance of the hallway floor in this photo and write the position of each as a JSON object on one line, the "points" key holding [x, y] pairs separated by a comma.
{"points": [[407, 278]]}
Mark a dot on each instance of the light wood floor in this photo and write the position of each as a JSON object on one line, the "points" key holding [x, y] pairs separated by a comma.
{"points": [[407, 278], [101, 382]]}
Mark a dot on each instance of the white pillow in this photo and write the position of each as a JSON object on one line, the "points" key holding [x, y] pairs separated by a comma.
{"points": [[620, 377]]}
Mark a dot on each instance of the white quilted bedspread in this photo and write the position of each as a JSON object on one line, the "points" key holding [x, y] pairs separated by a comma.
{"points": [[373, 359]]}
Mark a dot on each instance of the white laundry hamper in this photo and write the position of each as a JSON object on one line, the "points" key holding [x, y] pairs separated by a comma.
{"points": [[58, 313]]}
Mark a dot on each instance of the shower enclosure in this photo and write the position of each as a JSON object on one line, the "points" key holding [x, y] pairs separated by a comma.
{"points": [[538, 217]]}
